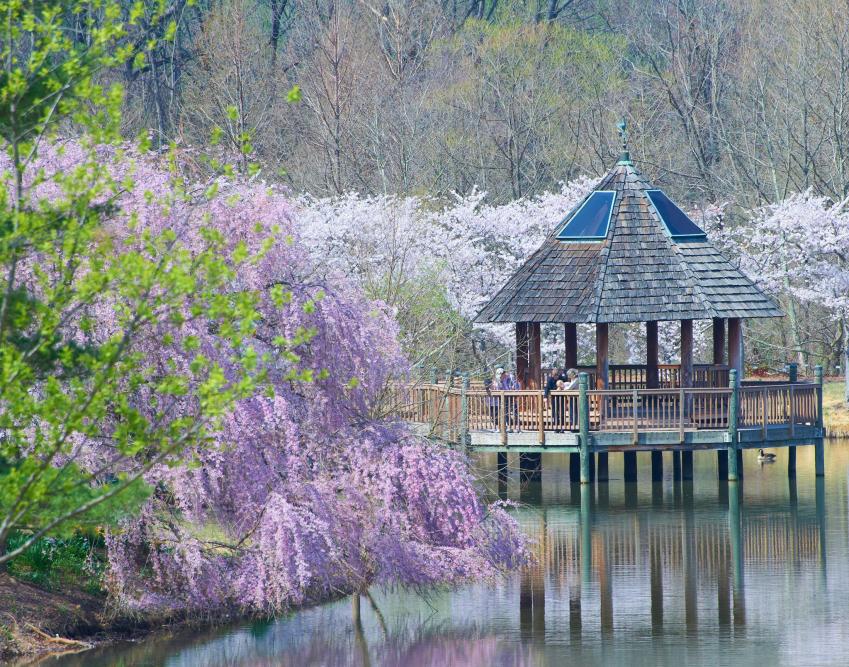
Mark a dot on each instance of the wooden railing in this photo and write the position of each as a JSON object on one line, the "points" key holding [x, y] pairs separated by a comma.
{"points": [[771, 405], [634, 376], [451, 410]]}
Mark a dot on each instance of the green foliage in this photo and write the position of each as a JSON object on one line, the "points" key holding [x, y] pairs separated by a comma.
{"points": [[85, 289], [76, 562]]}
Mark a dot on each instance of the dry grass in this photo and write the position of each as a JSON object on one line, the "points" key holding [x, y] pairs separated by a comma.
{"points": [[835, 413]]}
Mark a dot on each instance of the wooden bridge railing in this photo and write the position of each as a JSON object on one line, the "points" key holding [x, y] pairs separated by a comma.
{"points": [[634, 376], [453, 411]]}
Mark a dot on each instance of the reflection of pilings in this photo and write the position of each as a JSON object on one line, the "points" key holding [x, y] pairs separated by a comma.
{"points": [[657, 494], [735, 493], [820, 496], [586, 534], [531, 493], [532, 588], [722, 491], [791, 462], [532, 604], [723, 601], [631, 494], [690, 561], [656, 570], [605, 589], [575, 613]]}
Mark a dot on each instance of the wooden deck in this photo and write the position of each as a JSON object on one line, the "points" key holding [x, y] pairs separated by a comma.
{"points": [[772, 414]]}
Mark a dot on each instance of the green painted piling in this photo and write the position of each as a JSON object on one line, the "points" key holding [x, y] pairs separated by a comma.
{"points": [[819, 446], [584, 426], [733, 415]]}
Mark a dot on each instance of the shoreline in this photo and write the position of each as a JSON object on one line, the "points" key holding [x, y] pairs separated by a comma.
{"points": [[38, 624]]}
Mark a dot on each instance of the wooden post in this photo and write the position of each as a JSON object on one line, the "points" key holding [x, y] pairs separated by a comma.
{"points": [[656, 466], [571, 358], [528, 356], [434, 375], [602, 474], [502, 417], [686, 353], [630, 461], [541, 417], [793, 378], [718, 341], [819, 448], [584, 424], [464, 412], [530, 466], [652, 379], [574, 467], [735, 345], [501, 465], [722, 465], [733, 413], [676, 466], [687, 465], [764, 413], [601, 355]]}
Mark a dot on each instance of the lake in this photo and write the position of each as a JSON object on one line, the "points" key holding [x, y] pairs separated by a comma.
{"points": [[695, 573]]}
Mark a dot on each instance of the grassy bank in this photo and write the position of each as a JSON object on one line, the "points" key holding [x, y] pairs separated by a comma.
{"points": [[835, 413], [51, 594]]}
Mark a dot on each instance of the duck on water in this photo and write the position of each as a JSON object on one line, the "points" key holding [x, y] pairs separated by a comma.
{"points": [[765, 457]]}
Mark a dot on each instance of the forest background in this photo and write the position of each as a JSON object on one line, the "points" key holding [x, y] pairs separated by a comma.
{"points": [[737, 108]]}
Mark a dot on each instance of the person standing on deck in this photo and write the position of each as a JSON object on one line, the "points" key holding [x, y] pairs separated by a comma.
{"points": [[509, 383], [571, 384], [551, 384]]}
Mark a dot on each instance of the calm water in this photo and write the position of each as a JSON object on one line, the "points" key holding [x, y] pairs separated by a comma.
{"points": [[694, 573]]}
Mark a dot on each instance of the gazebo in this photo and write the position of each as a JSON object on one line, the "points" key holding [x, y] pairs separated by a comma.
{"points": [[627, 253]]}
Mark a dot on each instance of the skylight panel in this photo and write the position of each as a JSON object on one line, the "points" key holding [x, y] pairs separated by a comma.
{"points": [[591, 221], [679, 226]]}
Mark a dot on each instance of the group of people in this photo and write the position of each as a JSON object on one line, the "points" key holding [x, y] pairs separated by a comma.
{"points": [[503, 381], [558, 380]]}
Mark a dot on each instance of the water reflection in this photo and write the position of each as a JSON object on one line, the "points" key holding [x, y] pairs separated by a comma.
{"points": [[676, 571]]}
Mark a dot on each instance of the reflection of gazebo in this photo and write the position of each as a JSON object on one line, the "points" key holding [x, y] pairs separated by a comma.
{"points": [[626, 253]]}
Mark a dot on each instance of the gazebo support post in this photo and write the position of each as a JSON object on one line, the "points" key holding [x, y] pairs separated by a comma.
{"points": [[528, 356], [735, 346], [571, 337], [686, 383], [718, 341], [653, 382], [652, 379], [602, 334]]}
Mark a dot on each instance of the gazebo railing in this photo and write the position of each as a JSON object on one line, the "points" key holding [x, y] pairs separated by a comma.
{"points": [[451, 411], [634, 376]]}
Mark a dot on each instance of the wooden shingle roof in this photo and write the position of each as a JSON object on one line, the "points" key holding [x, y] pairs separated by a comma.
{"points": [[637, 273]]}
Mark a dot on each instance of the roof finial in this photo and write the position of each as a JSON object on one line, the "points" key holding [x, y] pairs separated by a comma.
{"points": [[625, 157]]}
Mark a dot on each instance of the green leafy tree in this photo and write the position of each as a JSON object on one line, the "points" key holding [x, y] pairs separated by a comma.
{"points": [[86, 289]]}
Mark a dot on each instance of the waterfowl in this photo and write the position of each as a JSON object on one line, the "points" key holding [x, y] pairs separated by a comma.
{"points": [[765, 458]]}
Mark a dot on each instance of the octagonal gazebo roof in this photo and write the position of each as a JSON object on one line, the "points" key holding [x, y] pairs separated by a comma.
{"points": [[649, 262]]}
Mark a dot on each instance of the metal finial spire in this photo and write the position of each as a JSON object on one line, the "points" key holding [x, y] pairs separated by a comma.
{"points": [[625, 157]]}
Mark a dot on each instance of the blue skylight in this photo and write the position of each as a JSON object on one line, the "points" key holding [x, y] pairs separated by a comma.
{"points": [[680, 227], [591, 220]]}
